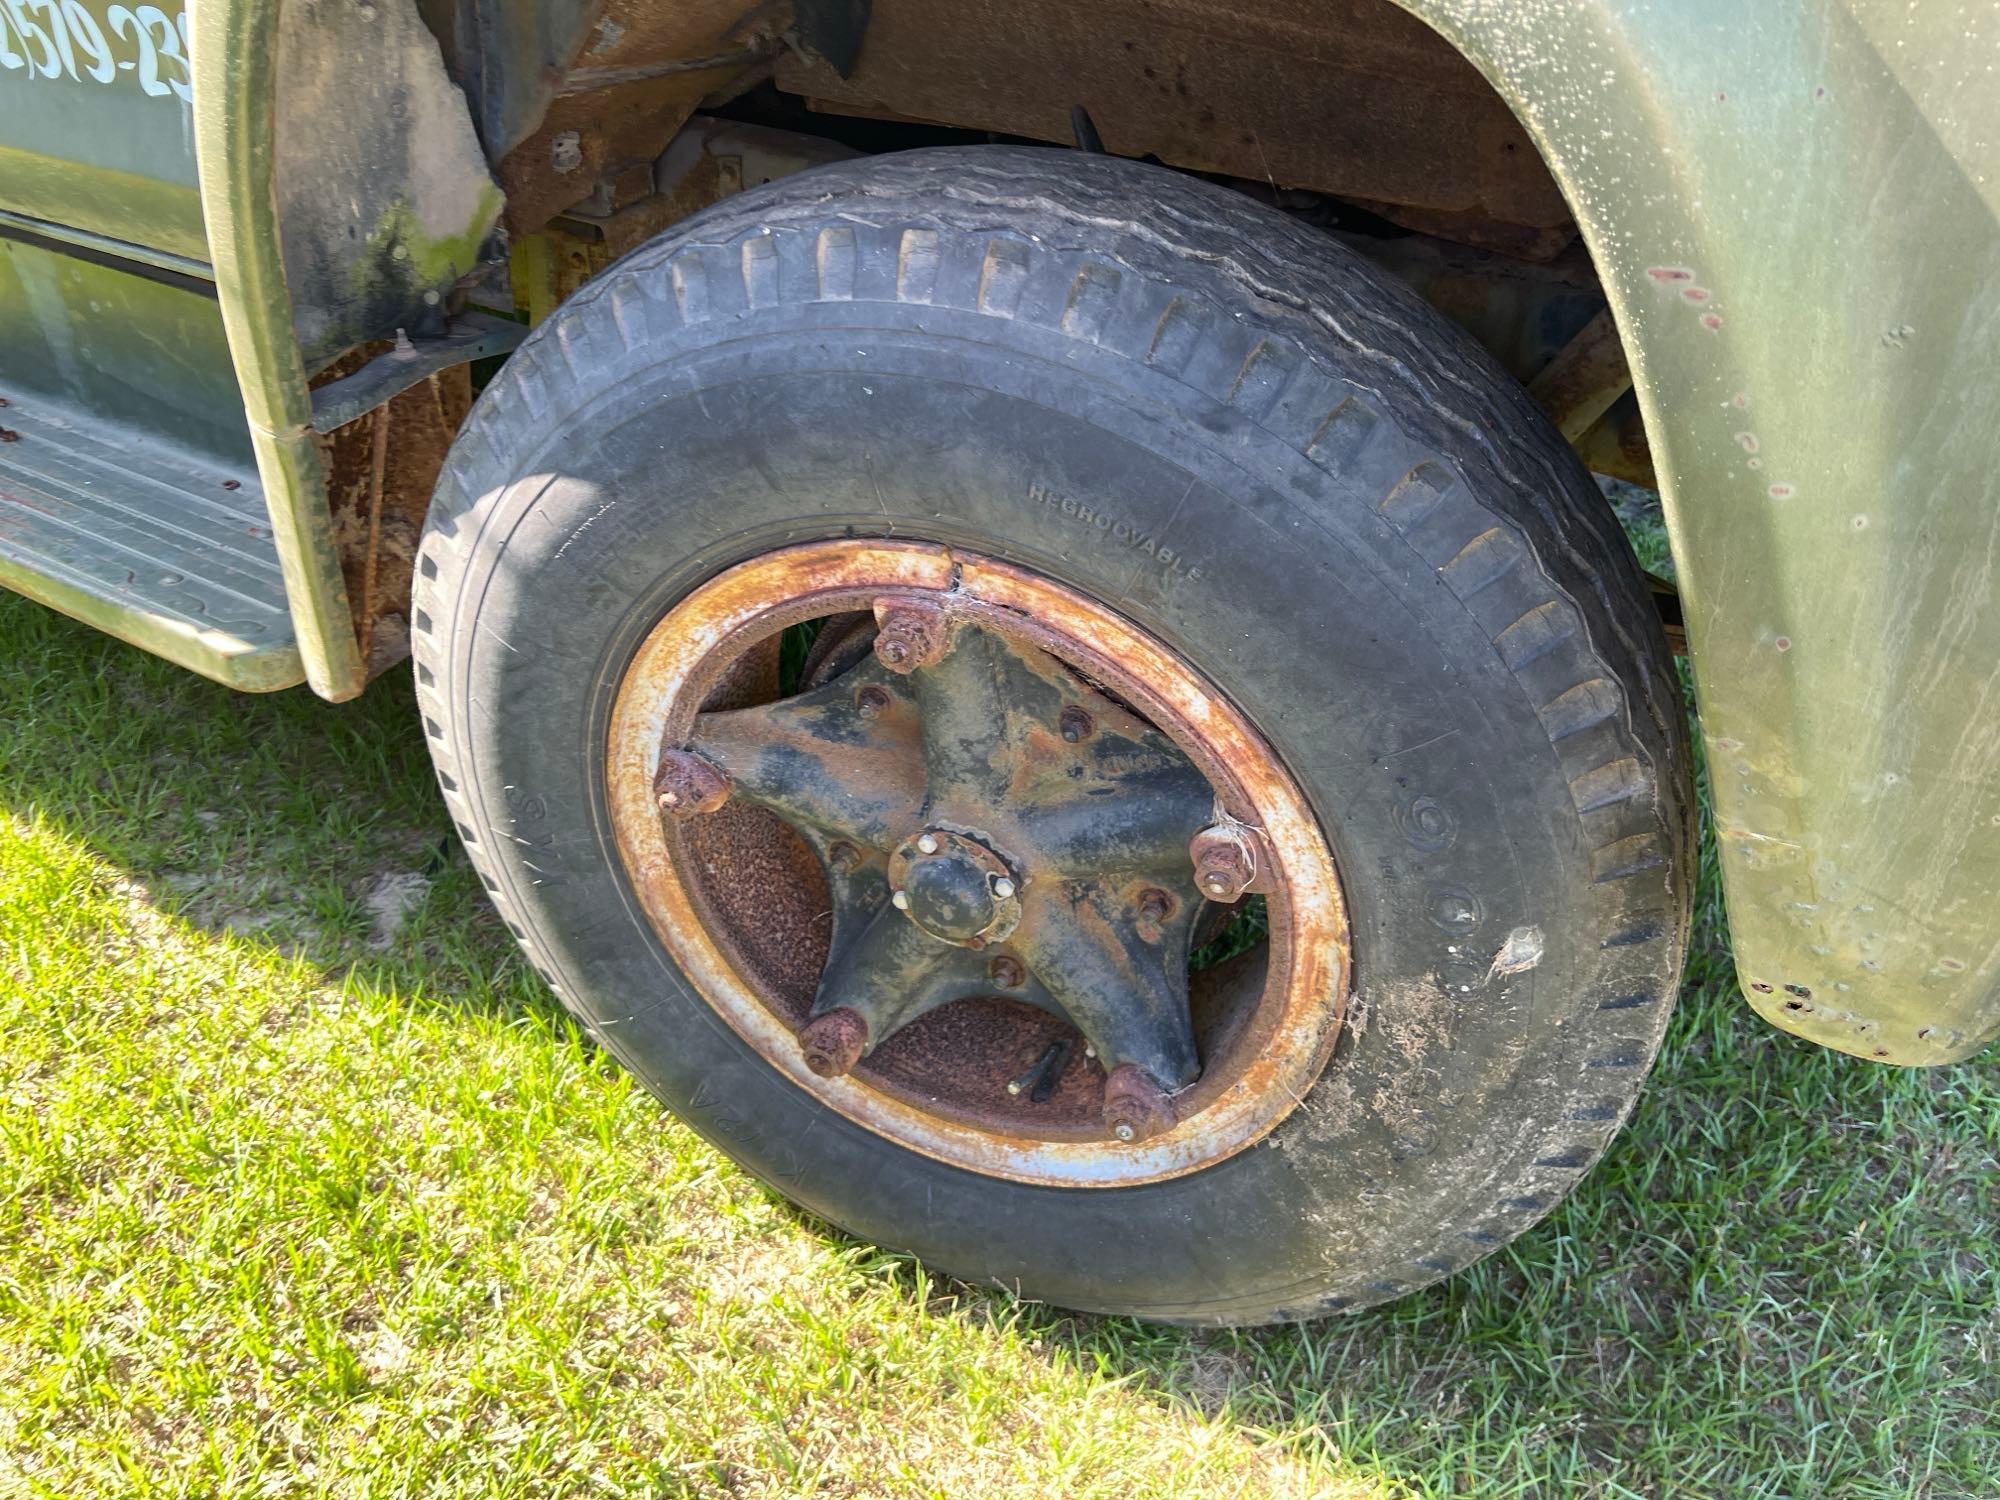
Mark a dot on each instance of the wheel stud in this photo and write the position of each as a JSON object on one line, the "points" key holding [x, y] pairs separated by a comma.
{"points": [[687, 785], [1225, 862], [1135, 1109], [833, 1044], [912, 634]]}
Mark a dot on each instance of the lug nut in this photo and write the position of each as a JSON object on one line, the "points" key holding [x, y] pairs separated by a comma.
{"points": [[927, 845], [900, 900], [1224, 862], [833, 1044], [1135, 1109], [1007, 971], [912, 634], [1003, 888], [686, 785]]}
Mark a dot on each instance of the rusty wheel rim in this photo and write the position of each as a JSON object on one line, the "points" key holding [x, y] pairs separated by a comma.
{"points": [[929, 814]]}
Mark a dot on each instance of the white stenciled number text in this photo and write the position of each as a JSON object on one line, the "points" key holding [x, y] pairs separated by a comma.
{"points": [[65, 39]]}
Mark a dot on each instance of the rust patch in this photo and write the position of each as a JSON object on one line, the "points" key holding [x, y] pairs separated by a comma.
{"points": [[619, 103], [380, 471]]}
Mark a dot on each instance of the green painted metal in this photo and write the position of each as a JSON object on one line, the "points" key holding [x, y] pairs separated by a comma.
{"points": [[235, 73], [103, 248], [1793, 206], [94, 125], [128, 489], [145, 539], [141, 351]]}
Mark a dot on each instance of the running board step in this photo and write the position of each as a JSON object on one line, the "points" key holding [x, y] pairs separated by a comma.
{"points": [[156, 544]]}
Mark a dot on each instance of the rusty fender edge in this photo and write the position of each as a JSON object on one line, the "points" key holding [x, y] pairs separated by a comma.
{"points": [[1793, 209]]}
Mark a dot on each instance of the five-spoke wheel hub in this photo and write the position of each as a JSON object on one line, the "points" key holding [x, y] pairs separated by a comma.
{"points": [[1013, 818]]}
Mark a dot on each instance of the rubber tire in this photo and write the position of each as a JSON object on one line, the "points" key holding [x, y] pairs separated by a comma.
{"points": [[1258, 447]]}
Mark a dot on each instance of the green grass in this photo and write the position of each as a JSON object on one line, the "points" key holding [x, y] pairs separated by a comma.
{"points": [[291, 1206]]}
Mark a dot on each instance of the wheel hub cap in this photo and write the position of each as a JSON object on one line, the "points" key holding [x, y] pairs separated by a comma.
{"points": [[955, 889]]}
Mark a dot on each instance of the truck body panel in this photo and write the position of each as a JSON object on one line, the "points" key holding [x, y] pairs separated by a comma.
{"points": [[1793, 211]]}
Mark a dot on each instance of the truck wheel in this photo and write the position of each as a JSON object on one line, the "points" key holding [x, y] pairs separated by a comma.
{"points": [[1071, 726]]}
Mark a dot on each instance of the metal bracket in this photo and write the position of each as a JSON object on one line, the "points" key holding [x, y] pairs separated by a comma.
{"points": [[472, 335]]}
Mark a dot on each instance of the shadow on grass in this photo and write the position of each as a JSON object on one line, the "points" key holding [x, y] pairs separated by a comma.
{"points": [[1780, 1281]]}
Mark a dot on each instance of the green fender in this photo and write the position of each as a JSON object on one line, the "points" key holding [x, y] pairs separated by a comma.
{"points": [[1792, 206]]}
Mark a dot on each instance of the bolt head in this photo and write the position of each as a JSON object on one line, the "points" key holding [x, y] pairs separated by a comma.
{"points": [[927, 845], [1135, 1108], [1225, 863], [1003, 887], [1075, 724], [834, 1042], [686, 784], [900, 900], [913, 633]]}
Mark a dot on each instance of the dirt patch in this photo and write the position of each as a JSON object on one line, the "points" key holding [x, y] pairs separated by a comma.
{"points": [[390, 899]]}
